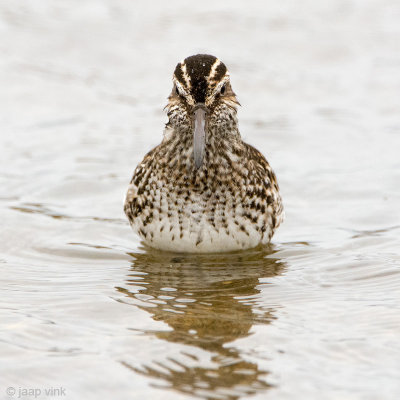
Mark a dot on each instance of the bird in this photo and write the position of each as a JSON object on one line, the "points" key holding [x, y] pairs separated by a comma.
{"points": [[203, 189]]}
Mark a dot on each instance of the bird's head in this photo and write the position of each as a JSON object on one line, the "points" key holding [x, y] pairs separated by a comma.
{"points": [[201, 100]]}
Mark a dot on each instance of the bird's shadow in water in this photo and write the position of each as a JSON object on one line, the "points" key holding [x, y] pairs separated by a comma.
{"points": [[207, 300]]}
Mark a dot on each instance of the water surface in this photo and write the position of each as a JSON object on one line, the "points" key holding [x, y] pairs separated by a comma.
{"points": [[84, 306]]}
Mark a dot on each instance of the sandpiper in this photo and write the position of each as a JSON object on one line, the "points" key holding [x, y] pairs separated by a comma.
{"points": [[203, 189]]}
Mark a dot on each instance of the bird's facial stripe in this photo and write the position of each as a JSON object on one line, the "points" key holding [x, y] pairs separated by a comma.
{"points": [[218, 73], [215, 89], [183, 91], [199, 76], [185, 75], [179, 87], [178, 74], [181, 76], [213, 70], [222, 82]]}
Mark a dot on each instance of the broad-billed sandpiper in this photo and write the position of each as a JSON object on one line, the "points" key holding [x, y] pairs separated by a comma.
{"points": [[203, 189]]}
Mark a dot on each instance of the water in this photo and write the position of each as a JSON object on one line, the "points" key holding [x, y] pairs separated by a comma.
{"points": [[86, 308]]}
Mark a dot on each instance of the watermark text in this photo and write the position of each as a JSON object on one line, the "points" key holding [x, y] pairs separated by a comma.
{"points": [[34, 393]]}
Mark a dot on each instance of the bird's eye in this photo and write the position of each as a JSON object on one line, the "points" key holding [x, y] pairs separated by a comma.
{"points": [[222, 91]]}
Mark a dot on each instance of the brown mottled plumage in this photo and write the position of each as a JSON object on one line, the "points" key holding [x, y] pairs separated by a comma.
{"points": [[203, 189]]}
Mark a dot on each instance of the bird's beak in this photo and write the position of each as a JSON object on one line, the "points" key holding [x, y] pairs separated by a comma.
{"points": [[199, 133]]}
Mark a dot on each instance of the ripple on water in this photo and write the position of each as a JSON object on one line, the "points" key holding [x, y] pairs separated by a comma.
{"points": [[315, 316], [199, 298]]}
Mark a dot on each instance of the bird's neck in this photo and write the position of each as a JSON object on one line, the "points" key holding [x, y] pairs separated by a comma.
{"points": [[223, 146]]}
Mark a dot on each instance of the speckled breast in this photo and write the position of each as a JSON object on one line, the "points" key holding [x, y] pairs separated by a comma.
{"points": [[188, 221]]}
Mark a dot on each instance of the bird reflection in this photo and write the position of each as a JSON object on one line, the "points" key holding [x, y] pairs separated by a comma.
{"points": [[207, 301]]}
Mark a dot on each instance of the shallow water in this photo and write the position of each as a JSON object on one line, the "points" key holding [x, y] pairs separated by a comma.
{"points": [[86, 308]]}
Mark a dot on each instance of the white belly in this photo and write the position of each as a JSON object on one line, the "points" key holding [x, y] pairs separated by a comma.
{"points": [[197, 226]]}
